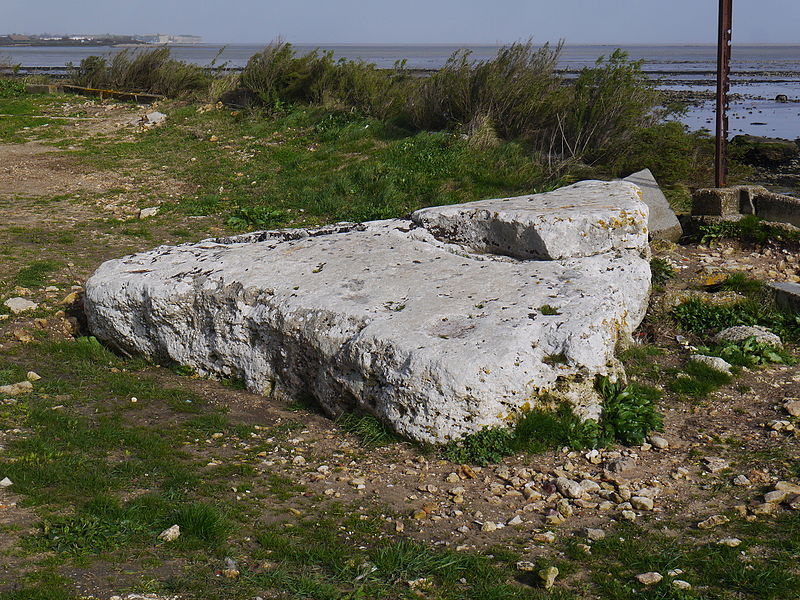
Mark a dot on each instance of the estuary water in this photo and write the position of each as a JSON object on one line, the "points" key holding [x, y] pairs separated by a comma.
{"points": [[760, 73]]}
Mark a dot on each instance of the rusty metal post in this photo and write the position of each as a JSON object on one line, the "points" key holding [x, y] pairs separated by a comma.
{"points": [[723, 89]]}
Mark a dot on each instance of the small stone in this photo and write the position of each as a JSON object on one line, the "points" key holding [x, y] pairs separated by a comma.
{"points": [[525, 565], [741, 332], [680, 473], [675, 572], [714, 464], [516, 520], [33, 376], [680, 584], [419, 515], [548, 576], [595, 534], [452, 478], [741, 481], [547, 537], [762, 510], [16, 389], [299, 460], [642, 503], [70, 299], [148, 212], [793, 408], [730, 542], [20, 305], [6, 482], [628, 515], [776, 496], [488, 526], [567, 487], [170, 534], [650, 578], [713, 521], [659, 442], [589, 486], [713, 362], [620, 465], [585, 548]]}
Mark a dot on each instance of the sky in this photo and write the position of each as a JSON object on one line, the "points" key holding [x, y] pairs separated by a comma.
{"points": [[412, 21]]}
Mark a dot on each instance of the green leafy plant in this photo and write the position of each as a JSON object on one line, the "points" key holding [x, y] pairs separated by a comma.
{"points": [[749, 353], [548, 310], [748, 229], [629, 412], [699, 316]]}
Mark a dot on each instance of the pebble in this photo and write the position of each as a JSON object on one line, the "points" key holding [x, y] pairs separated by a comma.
{"points": [[548, 576], [741, 480], [680, 584], [16, 389], [595, 534], [6, 482], [713, 521], [650, 578], [170, 534], [659, 442], [793, 408], [525, 565], [642, 503], [547, 537], [489, 526], [569, 488], [714, 464], [33, 376], [730, 542], [628, 515]]}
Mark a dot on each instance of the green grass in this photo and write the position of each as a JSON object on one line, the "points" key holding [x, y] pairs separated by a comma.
{"points": [[661, 270], [699, 381], [36, 274], [629, 414], [370, 431], [701, 317]]}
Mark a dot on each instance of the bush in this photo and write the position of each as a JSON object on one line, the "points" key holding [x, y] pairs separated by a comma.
{"points": [[609, 104], [11, 89], [517, 91], [150, 71]]}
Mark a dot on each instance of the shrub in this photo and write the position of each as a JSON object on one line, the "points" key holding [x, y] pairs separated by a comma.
{"points": [[609, 103], [150, 71], [11, 89], [517, 92]]}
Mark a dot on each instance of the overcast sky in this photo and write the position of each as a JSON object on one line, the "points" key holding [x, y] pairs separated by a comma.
{"points": [[412, 21]]}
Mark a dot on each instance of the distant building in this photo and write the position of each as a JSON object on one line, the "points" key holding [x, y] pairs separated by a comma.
{"points": [[163, 38], [19, 38]]}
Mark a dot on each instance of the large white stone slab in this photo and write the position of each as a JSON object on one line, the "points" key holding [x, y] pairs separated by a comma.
{"points": [[433, 337]]}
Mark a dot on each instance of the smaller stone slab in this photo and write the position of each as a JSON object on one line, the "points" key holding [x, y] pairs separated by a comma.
{"points": [[662, 223], [581, 220], [787, 295]]}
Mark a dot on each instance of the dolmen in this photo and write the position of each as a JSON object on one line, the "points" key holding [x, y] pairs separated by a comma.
{"points": [[457, 318]]}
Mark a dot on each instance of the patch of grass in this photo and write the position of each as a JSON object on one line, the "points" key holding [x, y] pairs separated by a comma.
{"points": [[748, 229], [35, 274], [661, 271], [10, 88], [548, 310], [370, 431], [699, 381], [701, 317], [741, 283], [629, 414], [202, 521], [41, 585]]}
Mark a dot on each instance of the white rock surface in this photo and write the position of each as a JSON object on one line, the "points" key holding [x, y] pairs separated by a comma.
{"points": [[19, 305], [437, 339], [713, 362], [741, 332], [583, 219]]}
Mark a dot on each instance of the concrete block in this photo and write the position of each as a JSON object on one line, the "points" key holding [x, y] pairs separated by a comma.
{"points": [[787, 295], [662, 222]]}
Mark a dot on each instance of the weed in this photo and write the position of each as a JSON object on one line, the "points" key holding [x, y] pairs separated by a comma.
{"points": [[698, 316], [629, 413], [548, 310], [370, 430], [661, 270], [741, 283], [749, 353], [489, 445], [203, 522], [259, 217]]}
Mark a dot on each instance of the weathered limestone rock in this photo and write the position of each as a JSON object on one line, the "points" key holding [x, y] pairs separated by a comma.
{"points": [[436, 338], [662, 223], [740, 333]]}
